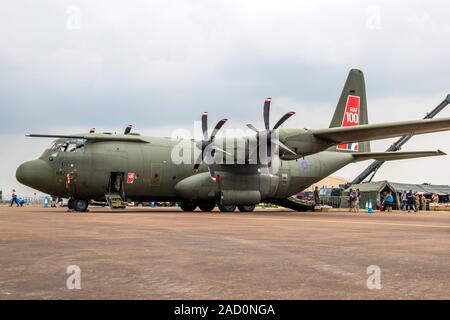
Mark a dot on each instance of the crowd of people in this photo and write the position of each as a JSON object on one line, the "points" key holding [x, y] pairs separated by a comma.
{"points": [[410, 201], [413, 201]]}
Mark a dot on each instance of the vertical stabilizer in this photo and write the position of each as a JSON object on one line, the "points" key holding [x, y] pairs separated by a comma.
{"points": [[351, 110]]}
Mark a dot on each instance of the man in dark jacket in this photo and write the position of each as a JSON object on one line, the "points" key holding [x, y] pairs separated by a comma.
{"points": [[410, 200]]}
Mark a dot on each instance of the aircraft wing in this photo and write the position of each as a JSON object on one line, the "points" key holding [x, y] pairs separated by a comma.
{"points": [[378, 131], [93, 137], [389, 156]]}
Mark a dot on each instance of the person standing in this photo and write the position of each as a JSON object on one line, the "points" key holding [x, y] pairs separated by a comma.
{"points": [[350, 200], [417, 202], [423, 202], [389, 201], [434, 201], [410, 200], [404, 200], [316, 196], [358, 200], [14, 198], [353, 201]]}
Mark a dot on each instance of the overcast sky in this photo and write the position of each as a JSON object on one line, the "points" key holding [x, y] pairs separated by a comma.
{"points": [[67, 66]]}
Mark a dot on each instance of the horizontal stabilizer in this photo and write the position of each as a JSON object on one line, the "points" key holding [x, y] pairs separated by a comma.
{"points": [[389, 156], [378, 131], [93, 137]]}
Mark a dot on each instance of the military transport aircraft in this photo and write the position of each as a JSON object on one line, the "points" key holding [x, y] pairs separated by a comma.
{"points": [[89, 167]]}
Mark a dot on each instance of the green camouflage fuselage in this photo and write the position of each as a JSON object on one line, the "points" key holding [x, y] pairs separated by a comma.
{"points": [[157, 178]]}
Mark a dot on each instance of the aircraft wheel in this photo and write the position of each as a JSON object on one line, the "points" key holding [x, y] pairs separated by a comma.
{"points": [[246, 208], [70, 204], [187, 206], [227, 208], [207, 207], [80, 205]]}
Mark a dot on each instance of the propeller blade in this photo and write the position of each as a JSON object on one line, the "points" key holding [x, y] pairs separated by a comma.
{"points": [[267, 102], [199, 144], [269, 143], [252, 127], [218, 126], [283, 146], [128, 129], [205, 125], [283, 119]]}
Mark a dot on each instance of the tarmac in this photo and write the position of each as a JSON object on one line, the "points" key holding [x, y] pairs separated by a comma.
{"points": [[268, 254]]}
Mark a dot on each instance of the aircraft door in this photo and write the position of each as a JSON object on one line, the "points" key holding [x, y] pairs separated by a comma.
{"points": [[116, 183]]}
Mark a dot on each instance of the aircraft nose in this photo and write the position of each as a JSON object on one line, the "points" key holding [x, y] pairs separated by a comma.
{"points": [[33, 173]]}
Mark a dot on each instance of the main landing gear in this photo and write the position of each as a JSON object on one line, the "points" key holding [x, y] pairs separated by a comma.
{"points": [[246, 208], [79, 205], [227, 208], [188, 206], [208, 207]]}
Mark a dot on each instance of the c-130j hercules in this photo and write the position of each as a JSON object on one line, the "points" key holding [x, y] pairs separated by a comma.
{"points": [[90, 166]]}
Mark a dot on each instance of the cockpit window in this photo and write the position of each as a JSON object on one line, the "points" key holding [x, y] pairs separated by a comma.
{"points": [[70, 145]]}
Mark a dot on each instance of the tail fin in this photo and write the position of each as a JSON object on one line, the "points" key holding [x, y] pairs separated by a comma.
{"points": [[351, 110]]}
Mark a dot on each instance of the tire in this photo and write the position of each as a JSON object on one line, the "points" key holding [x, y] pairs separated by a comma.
{"points": [[249, 208], [187, 206], [227, 208], [207, 207], [69, 204], [80, 205]]}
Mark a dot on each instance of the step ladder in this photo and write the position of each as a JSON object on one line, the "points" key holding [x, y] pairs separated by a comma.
{"points": [[115, 201]]}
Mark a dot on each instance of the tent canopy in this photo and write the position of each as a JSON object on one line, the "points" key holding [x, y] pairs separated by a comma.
{"points": [[378, 186], [374, 186]]}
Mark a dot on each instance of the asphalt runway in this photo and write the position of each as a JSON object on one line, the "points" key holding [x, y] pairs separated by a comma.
{"points": [[169, 254]]}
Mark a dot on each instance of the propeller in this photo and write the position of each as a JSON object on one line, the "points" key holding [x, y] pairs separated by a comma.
{"points": [[207, 144], [128, 129], [267, 133]]}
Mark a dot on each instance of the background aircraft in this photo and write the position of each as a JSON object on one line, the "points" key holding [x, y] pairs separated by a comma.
{"points": [[93, 166]]}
